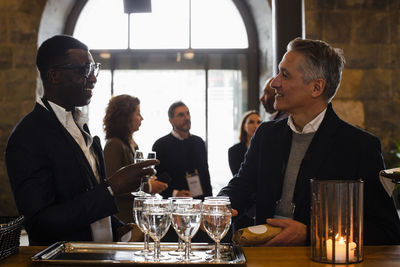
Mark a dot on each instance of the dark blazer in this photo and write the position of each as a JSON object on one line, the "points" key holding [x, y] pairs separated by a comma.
{"points": [[52, 182], [236, 156], [337, 151]]}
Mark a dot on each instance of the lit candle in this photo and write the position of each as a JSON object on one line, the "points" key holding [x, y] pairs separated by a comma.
{"points": [[340, 250]]}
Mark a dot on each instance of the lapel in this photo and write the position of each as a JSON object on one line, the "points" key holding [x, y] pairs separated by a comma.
{"points": [[280, 145], [78, 153]]}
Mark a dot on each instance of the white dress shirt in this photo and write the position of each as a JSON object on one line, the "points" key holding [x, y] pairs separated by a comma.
{"points": [[310, 127]]}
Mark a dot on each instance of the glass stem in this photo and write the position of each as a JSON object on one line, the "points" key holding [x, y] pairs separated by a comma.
{"points": [[146, 243], [156, 250], [180, 244], [217, 252], [187, 250]]}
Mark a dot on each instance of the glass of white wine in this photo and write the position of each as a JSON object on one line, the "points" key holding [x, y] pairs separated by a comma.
{"points": [[217, 216]]}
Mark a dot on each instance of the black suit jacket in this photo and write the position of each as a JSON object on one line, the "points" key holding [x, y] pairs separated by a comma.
{"points": [[236, 156], [52, 182], [337, 151]]}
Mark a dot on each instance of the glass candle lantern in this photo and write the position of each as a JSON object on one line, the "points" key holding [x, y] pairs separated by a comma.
{"points": [[337, 221]]}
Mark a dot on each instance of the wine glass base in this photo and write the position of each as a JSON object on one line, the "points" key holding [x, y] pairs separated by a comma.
{"points": [[140, 194], [177, 253], [143, 253]]}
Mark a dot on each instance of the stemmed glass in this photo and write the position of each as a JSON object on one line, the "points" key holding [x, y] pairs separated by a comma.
{"points": [[217, 215], [139, 157], [141, 222], [180, 250], [158, 215], [186, 218], [215, 198]]}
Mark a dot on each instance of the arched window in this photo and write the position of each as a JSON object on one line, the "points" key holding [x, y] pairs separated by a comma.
{"points": [[196, 51]]}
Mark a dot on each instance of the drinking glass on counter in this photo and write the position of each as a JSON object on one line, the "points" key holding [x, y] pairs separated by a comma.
{"points": [[181, 249], [186, 218], [141, 222], [157, 213], [217, 215]]}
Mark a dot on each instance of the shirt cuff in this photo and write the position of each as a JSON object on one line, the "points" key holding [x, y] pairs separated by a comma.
{"points": [[175, 192], [110, 190]]}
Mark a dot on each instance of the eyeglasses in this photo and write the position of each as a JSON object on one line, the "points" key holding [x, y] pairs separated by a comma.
{"points": [[84, 70]]}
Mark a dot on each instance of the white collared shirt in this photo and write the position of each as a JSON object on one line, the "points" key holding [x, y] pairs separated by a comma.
{"points": [[310, 127], [175, 134], [101, 229], [273, 115]]}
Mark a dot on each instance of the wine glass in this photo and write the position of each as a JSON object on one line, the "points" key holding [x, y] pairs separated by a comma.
{"points": [[141, 222], [139, 157], [180, 250], [217, 215], [158, 215], [186, 218], [216, 198]]}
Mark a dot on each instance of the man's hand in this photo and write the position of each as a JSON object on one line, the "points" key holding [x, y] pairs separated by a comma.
{"points": [[157, 186], [293, 233], [127, 179], [183, 193]]}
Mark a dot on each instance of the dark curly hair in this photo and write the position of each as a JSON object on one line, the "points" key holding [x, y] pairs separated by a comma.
{"points": [[118, 117], [242, 132]]}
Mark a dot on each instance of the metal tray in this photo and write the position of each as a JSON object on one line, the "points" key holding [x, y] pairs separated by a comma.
{"points": [[91, 253]]}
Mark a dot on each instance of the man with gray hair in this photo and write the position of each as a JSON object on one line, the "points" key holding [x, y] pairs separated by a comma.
{"points": [[313, 142]]}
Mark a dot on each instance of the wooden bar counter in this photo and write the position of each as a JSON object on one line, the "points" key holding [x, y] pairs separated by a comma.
{"points": [[375, 256]]}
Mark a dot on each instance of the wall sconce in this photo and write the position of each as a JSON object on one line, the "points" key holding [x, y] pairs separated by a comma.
{"points": [[337, 221]]}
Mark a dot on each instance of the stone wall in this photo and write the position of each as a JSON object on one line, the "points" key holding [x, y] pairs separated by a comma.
{"points": [[369, 33], [19, 24]]}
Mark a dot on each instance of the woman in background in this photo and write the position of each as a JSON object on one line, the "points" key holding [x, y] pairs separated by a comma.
{"points": [[250, 121], [122, 119]]}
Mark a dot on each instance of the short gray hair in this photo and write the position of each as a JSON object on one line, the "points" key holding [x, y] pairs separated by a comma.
{"points": [[321, 61]]}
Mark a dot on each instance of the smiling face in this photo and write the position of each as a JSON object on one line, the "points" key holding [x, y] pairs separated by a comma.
{"points": [[70, 87], [292, 94]]}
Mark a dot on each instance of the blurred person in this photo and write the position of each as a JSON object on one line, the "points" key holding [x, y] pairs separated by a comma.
{"points": [[55, 167], [183, 157], [312, 143], [267, 99], [248, 125], [122, 120]]}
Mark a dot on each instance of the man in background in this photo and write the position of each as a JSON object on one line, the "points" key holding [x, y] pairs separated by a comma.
{"points": [[267, 99], [183, 157]]}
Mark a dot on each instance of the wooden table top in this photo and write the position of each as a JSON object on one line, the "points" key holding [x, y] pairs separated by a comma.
{"points": [[376, 256]]}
